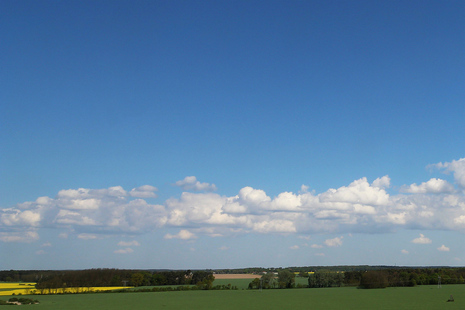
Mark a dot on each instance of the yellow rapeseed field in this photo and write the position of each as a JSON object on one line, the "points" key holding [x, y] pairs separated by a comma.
{"points": [[7, 289]]}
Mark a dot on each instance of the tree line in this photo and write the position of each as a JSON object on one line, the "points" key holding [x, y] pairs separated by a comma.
{"points": [[372, 278], [52, 279], [281, 279], [397, 277]]}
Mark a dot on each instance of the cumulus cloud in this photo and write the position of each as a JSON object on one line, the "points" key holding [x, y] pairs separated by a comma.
{"points": [[334, 242], [383, 182], [191, 183], [457, 167], [443, 248], [422, 240], [404, 252], [359, 191], [17, 217], [434, 186], [294, 247], [183, 234], [361, 206], [110, 210], [316, 246]]}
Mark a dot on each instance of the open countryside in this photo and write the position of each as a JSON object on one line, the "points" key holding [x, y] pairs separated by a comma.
{"points": [[421, 297], [244, 297], [232, 155]]}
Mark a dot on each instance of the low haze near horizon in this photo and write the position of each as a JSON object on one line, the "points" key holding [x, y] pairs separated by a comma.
{"points": [[226, 134]]}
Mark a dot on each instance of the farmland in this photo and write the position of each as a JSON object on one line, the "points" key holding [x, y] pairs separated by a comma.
{"points": [[9, 289], [420, 297]]}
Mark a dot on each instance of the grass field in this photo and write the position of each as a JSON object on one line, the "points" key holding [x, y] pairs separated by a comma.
{"points": [[421, 297]]}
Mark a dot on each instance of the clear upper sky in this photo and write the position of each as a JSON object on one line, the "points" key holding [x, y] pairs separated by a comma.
{"points": [[223, 134]]}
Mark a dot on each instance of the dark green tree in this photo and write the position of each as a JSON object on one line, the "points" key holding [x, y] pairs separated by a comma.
{"points": [[137, 279], [286, 279], [374, 279]]}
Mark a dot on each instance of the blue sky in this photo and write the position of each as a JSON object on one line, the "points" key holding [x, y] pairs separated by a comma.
{"points": [[225, 134]]}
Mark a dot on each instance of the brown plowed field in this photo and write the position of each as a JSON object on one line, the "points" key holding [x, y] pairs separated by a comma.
{"points": [[236, 276]]}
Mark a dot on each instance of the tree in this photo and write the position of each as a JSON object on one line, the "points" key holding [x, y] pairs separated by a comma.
{"points": [[158, 279], [268, 280], [207, 282], [374, 279], [286, 279], [137, 279], [254, 284]]}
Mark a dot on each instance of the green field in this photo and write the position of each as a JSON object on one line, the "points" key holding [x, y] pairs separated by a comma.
{"points": [[421, 297], [240, 283]]}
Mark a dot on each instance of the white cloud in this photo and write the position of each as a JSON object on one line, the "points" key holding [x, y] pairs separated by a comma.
{"points": [[316, 246], [404, 252], [200, 209], [460, 220], [286, 201], [16, 217], [85, 193], [145, 191], [278, 226], [253, 198], [457, 167], [434, 186], [191, 183], [359, 191], [46, 244], [304, 189], [74, 218], [421, 240], [128, 243], [124, 251], [294, 247], [443, 248], [334, 242], [223, 248], [22, 236], [85, 236], [183, 234], [383, 182], [40, 252], [361, 207], [320, 254], [101, 210]]}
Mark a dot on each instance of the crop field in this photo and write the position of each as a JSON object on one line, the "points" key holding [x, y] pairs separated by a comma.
{"points": [[9, 289], [420, 297]]}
